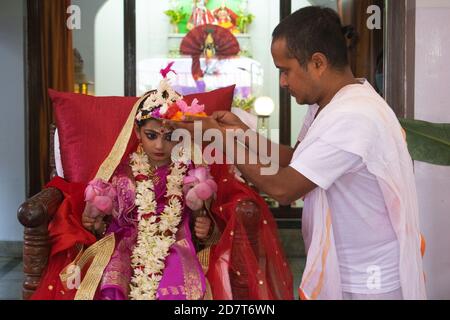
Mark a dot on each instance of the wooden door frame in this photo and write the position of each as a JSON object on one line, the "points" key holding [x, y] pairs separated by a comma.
{"points": [[33, 95], [285, 97], [399, 56], [130, 47]]}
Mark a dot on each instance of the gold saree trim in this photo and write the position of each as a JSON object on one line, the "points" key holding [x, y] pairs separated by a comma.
{"points": [[208, 293], [192, 281], [203, 257], [111, 162], [71, 272], [101, 251], [205, 254]]}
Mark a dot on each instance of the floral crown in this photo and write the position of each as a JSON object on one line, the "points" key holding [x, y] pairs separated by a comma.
{"points": [[166, 103]]}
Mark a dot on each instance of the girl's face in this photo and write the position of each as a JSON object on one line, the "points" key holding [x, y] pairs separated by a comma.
{"points": [[156, 141]]}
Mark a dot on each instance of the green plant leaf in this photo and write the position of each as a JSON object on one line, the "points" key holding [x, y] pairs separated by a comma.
{"points": [[428, 142], [175, 16], [244, 19], [245, 104]]}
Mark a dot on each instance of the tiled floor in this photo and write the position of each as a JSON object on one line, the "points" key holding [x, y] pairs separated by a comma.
{"points": [[297, 266], [11, 277]]}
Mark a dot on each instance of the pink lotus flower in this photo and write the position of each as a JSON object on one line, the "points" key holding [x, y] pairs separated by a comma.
{"points": [[194, 108], [198, 186], [100, 194]]}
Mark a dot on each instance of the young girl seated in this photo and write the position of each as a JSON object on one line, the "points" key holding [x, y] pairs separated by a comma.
{"points": [[147, 191], [138, 207]]}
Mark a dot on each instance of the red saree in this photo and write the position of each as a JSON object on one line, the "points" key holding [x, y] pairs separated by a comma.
{"points": [[66, 235], [241, 266]]}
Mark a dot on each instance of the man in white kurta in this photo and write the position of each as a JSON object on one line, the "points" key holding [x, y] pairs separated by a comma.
{"points": [[355, 152]]}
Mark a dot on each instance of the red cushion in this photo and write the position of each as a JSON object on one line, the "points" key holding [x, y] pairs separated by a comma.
{"points": [[88, 126], [216, 100]]}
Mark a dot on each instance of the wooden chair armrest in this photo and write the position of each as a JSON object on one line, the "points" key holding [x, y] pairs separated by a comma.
{"points": [[40, 208], [34, 214]]}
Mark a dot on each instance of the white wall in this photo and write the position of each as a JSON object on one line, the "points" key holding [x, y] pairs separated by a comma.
{"points": [[267, 18], [83, 39], [432, 103], [153, 28], [109, 49], [298, 112], [12, 121]]}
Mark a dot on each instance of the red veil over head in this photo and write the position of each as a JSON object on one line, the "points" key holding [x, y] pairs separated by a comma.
{"points": [[248, 262]]}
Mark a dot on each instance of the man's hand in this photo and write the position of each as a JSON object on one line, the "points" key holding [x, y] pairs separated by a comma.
{"points": [[220, 120], [202, 227], [229, 120]]}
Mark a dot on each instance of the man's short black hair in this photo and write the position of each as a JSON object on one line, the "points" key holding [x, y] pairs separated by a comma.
{"points": [[314, 29]]}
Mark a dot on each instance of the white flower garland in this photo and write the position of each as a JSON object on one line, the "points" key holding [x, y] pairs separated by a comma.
{"points": [[158, 98], [156, 233]]}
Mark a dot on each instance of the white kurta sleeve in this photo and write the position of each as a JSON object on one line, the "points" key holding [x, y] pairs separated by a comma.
{"points": [[323, 163]]}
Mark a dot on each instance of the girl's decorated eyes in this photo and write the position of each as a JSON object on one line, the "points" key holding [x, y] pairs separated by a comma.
{"points": [[151, 135], [168, 136]]}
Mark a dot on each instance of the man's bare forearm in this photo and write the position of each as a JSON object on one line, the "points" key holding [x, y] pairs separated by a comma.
{"points": [[252, 172], [284, 185], [262, 143]]}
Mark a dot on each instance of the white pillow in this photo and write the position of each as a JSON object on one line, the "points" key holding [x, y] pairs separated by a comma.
{"points": [[57, 153]]}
